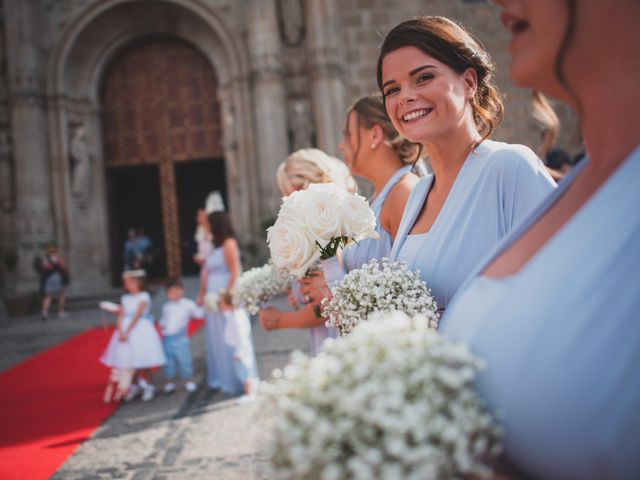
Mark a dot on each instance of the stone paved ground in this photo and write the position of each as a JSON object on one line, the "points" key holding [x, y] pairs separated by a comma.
{"points": [[177, 436]]}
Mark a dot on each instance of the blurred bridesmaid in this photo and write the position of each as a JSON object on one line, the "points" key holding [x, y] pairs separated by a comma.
{"points": [[301, 169], [228, 328], [554, 309], [372, 149]]}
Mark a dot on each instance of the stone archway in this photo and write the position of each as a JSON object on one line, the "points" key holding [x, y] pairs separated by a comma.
{"points": [[159, 108], [89, 42]]}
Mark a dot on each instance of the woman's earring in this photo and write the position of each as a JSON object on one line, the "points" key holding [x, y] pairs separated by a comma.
{"points": [[373, 145]]}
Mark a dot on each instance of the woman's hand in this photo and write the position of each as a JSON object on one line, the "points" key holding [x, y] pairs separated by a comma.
{"points": [[224, 304], [122, 336], [270, 318], [315, 287], [200, 299]]}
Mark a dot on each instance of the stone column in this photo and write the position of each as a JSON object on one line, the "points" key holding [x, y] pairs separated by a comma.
{"points": [[34, 214], [327, 84], [269, 100]]}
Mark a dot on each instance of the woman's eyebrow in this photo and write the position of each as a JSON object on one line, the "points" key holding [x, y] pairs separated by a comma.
{"points": [[411, 73]]}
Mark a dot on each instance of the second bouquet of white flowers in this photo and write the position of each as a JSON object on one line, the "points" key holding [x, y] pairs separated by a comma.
{"points": [[314, 223], [258, 285], [378, 286], [394, 400]]}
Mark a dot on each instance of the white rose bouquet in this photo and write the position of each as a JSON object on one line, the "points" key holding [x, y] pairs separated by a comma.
{"points": [[258, 285], [378, 286], [393, 400], [314, 223]]}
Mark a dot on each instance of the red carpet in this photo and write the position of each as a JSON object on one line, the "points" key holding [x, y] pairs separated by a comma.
{"points": [[51, 403]]}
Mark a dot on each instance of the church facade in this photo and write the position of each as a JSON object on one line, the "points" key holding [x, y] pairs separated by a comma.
{"points": [[118, 114]]}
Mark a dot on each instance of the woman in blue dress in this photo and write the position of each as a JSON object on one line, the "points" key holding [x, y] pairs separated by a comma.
{"points": [[438, 89], [554, 308], [219, 273], [372, 149], [301, 169]]}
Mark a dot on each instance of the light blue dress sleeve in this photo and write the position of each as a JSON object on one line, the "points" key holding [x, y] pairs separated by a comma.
{"points": [[525, 181]]}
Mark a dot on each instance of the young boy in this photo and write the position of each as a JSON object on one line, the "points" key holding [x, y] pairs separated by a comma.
{"points": [[176, 314]]}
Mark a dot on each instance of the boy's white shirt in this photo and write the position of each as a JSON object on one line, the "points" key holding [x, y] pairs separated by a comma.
{"points": [[176, 315]]}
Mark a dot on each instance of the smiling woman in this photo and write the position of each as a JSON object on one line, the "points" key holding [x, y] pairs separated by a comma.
{"points": [[438, 90], [554, 309]]}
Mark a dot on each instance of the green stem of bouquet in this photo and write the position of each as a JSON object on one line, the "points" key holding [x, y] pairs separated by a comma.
{"points": [[332, 247]]}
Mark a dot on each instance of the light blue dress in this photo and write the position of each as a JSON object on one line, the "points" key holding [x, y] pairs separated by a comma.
{"points": [[498, 185], [562, 339], [317, 334], [354, 257], [221, 370]]}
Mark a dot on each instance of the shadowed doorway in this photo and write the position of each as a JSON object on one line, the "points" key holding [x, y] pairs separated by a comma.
{"points": [[135, 196], [160, 108], [194, 181]]}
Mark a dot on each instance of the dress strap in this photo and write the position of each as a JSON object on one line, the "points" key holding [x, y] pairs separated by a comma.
{"points": [[378, 201]]}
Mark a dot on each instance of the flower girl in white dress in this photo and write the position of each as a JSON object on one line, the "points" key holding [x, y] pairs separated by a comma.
{"points": [[135, 328]]}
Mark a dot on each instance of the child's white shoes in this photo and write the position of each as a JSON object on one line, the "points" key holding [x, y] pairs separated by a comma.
{"points": [[190, 387], [148, 393], [169, 387]]}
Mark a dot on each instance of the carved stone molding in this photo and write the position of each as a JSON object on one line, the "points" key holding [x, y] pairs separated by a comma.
{"points": [[34, 226], [7, 181]]}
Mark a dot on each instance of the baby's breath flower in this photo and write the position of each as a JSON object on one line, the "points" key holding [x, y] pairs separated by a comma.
{"points": [[378, 286], [393, 399], [259, 285]]}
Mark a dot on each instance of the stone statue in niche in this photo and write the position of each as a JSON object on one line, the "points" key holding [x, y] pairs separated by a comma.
{"points": [[291, 21], [6, 173], [300, 124], [80, 165]]}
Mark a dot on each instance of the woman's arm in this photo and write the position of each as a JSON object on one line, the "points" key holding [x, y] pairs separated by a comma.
{"points": [[274, 319], [232, 259], [203, 285], [121, 334]]}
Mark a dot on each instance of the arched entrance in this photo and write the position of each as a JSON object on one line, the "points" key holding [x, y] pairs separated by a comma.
{"points": [[163, 150]]}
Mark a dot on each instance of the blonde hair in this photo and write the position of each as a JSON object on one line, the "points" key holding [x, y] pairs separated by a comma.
{"points": [[310, 165]]}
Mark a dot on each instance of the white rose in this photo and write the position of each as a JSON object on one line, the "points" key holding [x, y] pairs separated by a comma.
{"points": [[292, 208], [291, 246], [359, 221], [322, 212]]}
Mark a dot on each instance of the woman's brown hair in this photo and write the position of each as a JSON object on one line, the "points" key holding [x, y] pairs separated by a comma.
{"points": [[370, 111], [451, 44], [221, 227]]}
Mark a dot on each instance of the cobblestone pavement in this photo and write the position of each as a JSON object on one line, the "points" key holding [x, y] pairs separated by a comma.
{"points": [[177, 436]]}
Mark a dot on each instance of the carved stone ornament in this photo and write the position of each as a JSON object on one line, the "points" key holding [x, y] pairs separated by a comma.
{"points": [[80, 160], [6, 174], [300, 124]]}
